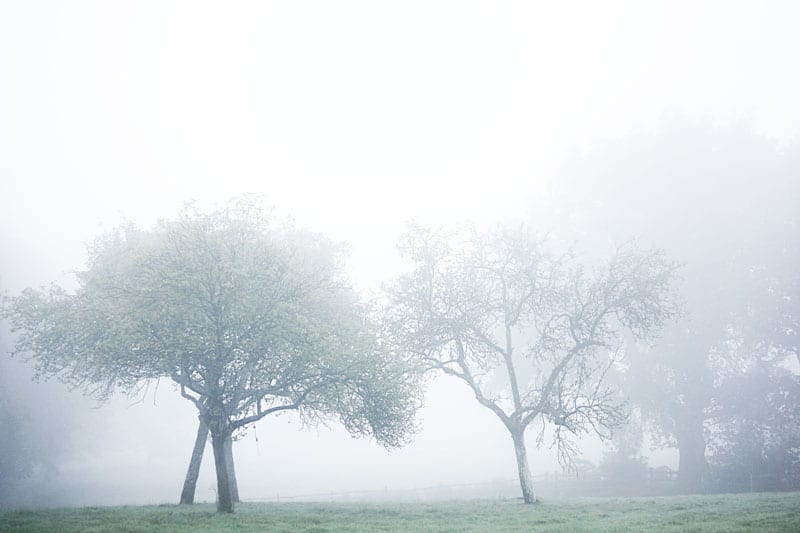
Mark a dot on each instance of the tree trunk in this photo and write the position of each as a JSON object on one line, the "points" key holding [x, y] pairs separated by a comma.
{"points": [[231, 469], [190, 483], [692, 464], [224, 501], [525, 480]]}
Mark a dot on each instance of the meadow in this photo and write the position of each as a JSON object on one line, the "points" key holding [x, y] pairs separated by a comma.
{"points": [[732, 512]]}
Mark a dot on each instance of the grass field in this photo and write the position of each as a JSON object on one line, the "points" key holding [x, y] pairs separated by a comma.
{"points": [[742, 512]]}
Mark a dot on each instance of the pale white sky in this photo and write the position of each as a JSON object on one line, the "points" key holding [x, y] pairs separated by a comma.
{"points": [[352, 118]]}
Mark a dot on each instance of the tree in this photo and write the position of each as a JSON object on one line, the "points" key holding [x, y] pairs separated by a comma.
{"points": [[723, 201], [499, 307], [247, 319], [34, 441], [755, 437], [16, 461]]}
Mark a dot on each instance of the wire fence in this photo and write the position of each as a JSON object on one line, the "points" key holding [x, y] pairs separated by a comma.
{"points": [[549, 484]]}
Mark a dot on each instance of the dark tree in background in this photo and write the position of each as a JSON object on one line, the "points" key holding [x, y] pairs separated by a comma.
{"points": [[755, 431], [245, 317], [533, 333], [17, 462], [723, 201], [768, 320], [35, 435]]}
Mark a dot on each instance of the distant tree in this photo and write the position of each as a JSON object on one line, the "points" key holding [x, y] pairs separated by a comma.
{"points": [[531, 332], [755, 431], [723, 201], [768, 320], [623, 474], [246, 318], [36, 436], [34, 440], [16, 459], [623, 467]]}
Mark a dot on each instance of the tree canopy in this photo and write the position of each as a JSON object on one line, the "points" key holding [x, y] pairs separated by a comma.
{"points": [[246, 317]]}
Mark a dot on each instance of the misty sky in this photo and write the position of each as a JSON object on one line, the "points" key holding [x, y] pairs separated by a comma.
{"points": [[352, 118]]}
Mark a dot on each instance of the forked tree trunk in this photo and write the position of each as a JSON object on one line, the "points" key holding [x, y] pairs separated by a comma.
{"points": [[231, 470], [190, 483], [524, 471], [224, 501]]}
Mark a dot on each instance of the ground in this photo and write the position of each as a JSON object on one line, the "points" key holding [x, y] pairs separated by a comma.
{"points": [[742, 512]]}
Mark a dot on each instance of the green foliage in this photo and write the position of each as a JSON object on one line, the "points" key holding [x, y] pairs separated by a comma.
{"points": [[248, 318], [244, 316], [743, 512]]}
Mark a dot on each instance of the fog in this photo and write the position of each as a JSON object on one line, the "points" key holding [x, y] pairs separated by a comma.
{"points": [[672, 122]]}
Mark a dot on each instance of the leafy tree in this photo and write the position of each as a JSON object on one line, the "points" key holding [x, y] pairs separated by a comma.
{"points": [[755, 437], [532, 333], [246, 318]]}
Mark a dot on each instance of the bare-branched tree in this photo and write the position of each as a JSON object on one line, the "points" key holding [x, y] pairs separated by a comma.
{"points": [[531, 332]]}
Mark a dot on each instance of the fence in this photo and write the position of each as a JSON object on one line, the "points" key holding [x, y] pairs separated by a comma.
{"points": [[547, 485]]}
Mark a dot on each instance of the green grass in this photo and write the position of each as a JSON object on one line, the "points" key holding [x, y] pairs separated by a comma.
{"points": [[743, 512]]}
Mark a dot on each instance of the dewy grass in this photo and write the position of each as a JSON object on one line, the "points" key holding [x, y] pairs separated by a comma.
{"points": [[739, 512]]}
